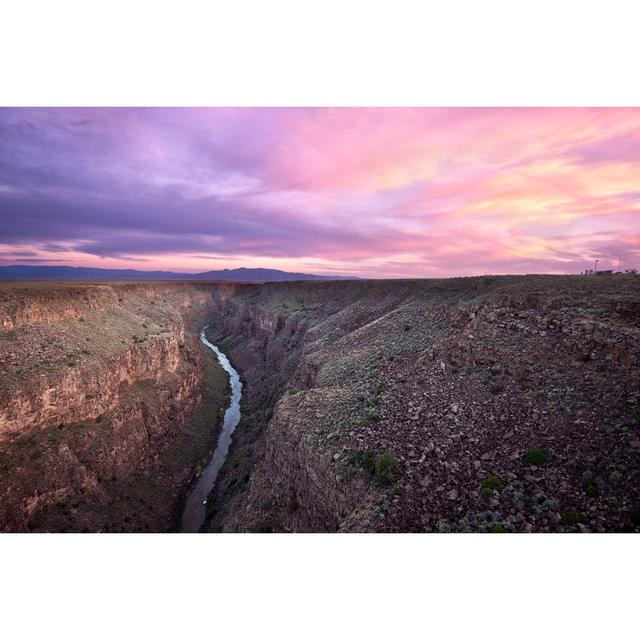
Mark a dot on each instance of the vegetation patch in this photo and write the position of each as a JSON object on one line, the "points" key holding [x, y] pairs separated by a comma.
{"points": [[490, 484], [387, 467], [537, 457], [371, 416], [364, 459], [591, 489], [384, 467], [573, 517]]}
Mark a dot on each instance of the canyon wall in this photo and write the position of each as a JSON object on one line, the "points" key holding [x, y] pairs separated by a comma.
{"points": [[476, 404], [97, 382], [469, 404]]}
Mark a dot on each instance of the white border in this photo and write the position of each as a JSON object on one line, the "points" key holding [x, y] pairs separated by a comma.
{"points": [[334, 52], [313, 586]]}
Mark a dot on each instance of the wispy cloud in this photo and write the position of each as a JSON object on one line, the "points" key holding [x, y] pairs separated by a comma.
{"points": [[380, 192]]}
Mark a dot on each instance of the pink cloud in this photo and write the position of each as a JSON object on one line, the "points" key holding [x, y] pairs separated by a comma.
{"points": [[396, 192]]}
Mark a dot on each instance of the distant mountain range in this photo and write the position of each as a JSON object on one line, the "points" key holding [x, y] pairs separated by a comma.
{"points": [[28, 272]]}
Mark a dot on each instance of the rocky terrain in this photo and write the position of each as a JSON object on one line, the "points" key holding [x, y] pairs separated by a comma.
{"points": [[465, 405], [490, 404], [108, 404]]}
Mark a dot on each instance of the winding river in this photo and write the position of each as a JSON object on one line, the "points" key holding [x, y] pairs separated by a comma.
{"points": [[195, 508]]}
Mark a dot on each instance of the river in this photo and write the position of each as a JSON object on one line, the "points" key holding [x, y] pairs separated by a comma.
{"points": [[196, 505]]}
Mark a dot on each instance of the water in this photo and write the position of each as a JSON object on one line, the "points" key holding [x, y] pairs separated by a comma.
{"points": [[195, 507]]}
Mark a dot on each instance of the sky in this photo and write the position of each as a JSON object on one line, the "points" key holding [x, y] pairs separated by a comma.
{"points": [[368, 192]]}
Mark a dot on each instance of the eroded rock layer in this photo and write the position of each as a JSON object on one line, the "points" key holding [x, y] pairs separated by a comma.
{"points": [[98, 384]]}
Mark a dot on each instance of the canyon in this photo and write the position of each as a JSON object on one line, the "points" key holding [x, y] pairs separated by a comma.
{"points": [[486, 404]]}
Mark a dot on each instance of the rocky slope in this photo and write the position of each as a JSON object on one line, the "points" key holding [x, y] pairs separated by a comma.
{"points": [[478, 404], [101, 395]]}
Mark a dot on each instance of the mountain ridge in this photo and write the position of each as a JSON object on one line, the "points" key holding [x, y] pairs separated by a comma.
{"points": [[240, 274]]}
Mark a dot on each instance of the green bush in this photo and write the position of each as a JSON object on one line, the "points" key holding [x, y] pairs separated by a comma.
{"points": [[371, 416], [386, 467], [364, 459], [591, 489], [537, 457], [492, 482], [486, 494], [573, 517]]}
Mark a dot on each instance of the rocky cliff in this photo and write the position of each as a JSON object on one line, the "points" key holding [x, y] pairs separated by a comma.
{"points": [[97, 384], [478, 404]]}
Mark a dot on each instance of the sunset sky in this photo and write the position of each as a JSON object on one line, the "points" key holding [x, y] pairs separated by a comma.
{"points": [[366, 192]]}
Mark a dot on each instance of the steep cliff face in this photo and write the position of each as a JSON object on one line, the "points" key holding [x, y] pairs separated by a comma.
{"points": [[97, 383], [506, 404]]}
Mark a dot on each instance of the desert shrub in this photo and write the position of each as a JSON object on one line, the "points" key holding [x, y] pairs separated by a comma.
{"points": [[386, 467], [591, 489], [364, 459], [371, 416], [573, 517], [537, 457], [498, 528], [492, 483]]}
